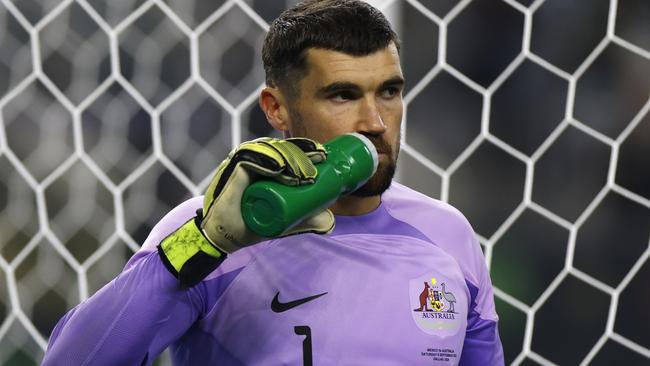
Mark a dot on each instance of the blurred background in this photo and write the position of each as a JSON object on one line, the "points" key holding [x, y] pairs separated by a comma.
{"points": [[531, 117]]}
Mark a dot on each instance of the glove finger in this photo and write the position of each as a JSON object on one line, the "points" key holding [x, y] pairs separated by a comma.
{"points": [[298, 170], [261, 160], [298, 163], [320, 223], [263, 157], [314, 150], [225, 227], [274, 158]]}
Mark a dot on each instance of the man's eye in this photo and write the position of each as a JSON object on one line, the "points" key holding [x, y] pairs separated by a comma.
{"points": [[341, 96], [390, 92]]}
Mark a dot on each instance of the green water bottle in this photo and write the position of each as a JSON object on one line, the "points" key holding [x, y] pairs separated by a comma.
{"points": [[269, 208]]}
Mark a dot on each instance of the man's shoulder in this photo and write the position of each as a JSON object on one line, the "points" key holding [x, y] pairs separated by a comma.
{"points": [[420, 210], [444, 225]]}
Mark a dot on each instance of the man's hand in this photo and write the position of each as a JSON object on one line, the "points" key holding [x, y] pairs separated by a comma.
{"points": [[201, 244]]}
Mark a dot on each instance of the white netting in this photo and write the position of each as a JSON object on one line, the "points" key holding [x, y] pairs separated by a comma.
{"points": [[530, 116]]}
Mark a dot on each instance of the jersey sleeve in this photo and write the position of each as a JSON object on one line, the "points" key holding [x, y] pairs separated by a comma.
{"points": [[129, 321], [137, 315], [482, 345]]}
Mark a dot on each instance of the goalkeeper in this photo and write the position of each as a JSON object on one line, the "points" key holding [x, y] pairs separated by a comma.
{"points": [[384, 276]]}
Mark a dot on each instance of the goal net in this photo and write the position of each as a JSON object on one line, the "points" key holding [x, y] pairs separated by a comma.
{"points": [[531, 117]]}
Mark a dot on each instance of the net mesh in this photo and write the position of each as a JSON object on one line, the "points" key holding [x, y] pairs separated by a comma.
{"points": [[531, 117]]}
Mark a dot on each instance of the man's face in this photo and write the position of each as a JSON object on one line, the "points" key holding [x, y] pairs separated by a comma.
{"points": [[343, 93]]}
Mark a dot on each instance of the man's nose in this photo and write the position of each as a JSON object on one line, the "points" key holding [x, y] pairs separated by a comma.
{"points": [[370, 119]]}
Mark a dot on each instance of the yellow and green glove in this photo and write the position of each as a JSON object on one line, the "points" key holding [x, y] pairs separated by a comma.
{"points": [[195, 249]]}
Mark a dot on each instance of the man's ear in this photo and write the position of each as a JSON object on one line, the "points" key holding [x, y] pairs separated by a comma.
{"points": [[273, 105]]}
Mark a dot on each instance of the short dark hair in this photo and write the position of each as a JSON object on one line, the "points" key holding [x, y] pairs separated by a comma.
{"points": [[348, 26]]}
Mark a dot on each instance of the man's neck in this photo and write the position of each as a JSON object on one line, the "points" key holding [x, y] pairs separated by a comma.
{"points": [[354, 206]]}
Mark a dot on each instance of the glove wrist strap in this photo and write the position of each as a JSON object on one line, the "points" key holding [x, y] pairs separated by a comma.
{"points": [[188, 254]]}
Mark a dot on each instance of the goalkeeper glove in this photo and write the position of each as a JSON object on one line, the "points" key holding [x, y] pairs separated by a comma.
{"points": [[195, 249]]}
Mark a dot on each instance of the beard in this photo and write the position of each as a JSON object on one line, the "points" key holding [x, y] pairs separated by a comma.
{"points": [[381, 180]]}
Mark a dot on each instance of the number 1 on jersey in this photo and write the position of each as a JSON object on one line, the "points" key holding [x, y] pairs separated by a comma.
{"points": [[306, 343]]}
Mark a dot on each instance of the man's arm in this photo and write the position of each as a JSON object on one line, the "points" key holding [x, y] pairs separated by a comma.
{"points": [[482, 344], [129, 321], [159, 294]]}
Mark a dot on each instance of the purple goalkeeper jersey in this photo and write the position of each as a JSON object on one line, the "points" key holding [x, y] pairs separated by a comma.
{"points": [[405, 284]]}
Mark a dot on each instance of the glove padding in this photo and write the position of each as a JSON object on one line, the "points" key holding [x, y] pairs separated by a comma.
{"points": [[201, 244], [289, 161]]}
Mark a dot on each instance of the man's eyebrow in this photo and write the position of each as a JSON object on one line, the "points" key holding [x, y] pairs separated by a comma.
{"points": [[394, 81], [337, 86]]}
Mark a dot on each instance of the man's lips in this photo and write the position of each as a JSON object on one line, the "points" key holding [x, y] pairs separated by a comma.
{"points": [[383, 157], [383, 152], [382, 147]]}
